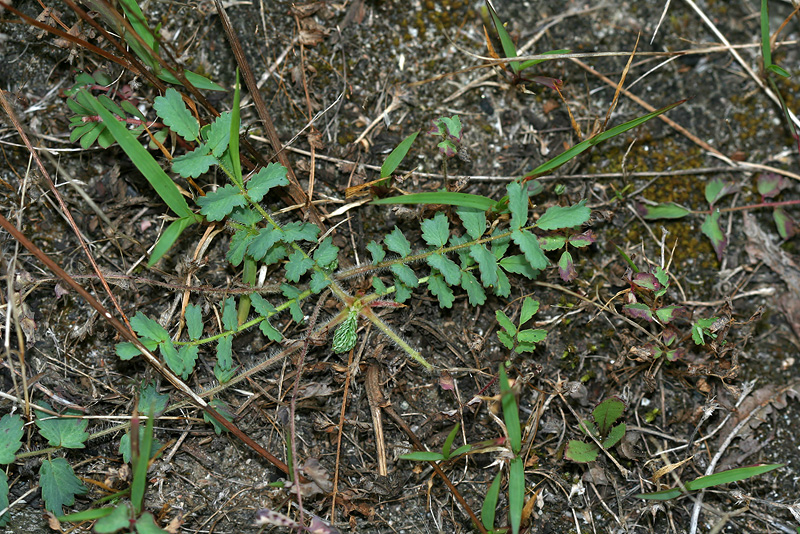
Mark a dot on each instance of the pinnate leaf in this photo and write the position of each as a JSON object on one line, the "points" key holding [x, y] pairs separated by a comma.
{"points": [[558, 217], [446, 266], [377, 252], [261, 244], [327, 253], [517, 204], [173, 112], [300, 231], [297, 266], [10, 437], [397, 242], [441, 291], [148, 328], [273, 175], [474, 221], [194, 163], [529, 245], [475, 292], [216, 205], [218, 134], [59, 484], [529, 308], [487, 264], [405, 274], [194, 321], [436, 231]]}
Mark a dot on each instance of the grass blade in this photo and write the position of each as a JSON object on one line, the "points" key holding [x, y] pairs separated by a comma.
{"points": [[510, 412], [489, 508], [724, 477], [396, 156], [588, 143], [143, 161], [516, 493], [464, 200]]}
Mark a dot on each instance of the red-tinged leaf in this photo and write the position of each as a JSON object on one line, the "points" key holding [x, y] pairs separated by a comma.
{"points": [[667, 313], [786, 225], [711, 229], [582, 240], [646, 281], [669, 336], [566, 267], [770, 184], [674, 354], [639, 311], [718, 188]]}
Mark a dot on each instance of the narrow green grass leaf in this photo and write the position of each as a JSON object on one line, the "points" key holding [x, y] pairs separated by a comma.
{"points": [[173, 113], [448, 442], [516, 493], [168, 238], [423, 456], [509, 49], [531, 62], [668, 210], [567, 155], [59, 485], [510, 412], [143, 161], [88, 515], [396, 156], [489, 508], [233, 142], [464, 200], [723, 477]]}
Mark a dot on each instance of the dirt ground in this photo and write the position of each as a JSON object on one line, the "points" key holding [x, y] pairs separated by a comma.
{"points": [[371, 73]]}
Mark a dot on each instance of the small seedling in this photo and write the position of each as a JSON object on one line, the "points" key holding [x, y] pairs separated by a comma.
{"points": [[723, 477], [446, 454], [601, 428], [514, 338]]}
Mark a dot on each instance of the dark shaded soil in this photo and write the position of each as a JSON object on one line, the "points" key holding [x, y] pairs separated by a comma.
{"points": [[368, 55]]}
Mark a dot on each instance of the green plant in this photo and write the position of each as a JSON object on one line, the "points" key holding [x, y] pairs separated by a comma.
{"points": [[513, 337], [127, 516], [768, 186], [144, 41], [515, 465], [708, 481], [601, 429]]}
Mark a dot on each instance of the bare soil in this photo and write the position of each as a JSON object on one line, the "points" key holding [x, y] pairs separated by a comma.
{"points": [[421, 60]]}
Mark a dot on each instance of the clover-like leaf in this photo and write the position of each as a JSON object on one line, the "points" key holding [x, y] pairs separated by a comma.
{"points": [[216, 205], [174, 114], [59, 485]]}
